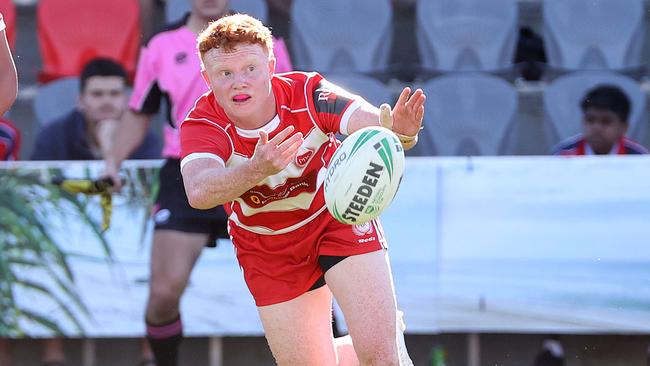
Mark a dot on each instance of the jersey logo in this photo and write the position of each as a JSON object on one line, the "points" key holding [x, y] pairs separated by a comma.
{"points": [[362, 229], [302, 160], [262, 195], [325, 95]]}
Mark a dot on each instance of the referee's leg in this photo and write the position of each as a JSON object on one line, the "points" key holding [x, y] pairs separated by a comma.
{"points": [[173, 256]]}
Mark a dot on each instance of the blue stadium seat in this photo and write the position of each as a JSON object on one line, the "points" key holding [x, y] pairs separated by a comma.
{"points": [[467, 114], [341, 35], [562, 99], [55, 99], [369, 88], [594, 34], [176, 9], [466, 34]]}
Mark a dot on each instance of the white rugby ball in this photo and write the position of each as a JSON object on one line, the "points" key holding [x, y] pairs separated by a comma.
{"points": [[364, 175]]}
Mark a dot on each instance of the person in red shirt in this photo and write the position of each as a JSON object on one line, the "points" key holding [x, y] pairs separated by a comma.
{"points": [[605, 110], [259, 144], [8, 77]]}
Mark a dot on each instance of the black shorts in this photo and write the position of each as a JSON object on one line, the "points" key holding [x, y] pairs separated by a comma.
{"points": [[173, 212]]}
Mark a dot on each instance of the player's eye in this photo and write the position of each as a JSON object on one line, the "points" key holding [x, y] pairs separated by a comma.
{"points": [[251, 68], [226, 73]]}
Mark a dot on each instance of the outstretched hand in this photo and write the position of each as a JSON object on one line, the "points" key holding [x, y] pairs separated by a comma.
{"points": [[271, 156], [406, 117]]}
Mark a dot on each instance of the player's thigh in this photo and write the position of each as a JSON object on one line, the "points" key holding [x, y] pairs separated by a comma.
{"points": [[363, 288], [173, 255], [299, 331]]}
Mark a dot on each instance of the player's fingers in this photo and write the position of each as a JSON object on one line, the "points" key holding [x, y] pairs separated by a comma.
{"points": [[277, 139], [264, 138], [419, 114], [413, 99], [419, 101], [290, 153], [385, 118], [403, 96], [286, 144]]}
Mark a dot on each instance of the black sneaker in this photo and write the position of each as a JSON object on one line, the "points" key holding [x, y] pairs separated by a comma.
{"points": [[546, 358]]}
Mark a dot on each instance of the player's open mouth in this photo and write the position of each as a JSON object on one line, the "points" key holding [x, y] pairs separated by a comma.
{"points": [[241, 98]]}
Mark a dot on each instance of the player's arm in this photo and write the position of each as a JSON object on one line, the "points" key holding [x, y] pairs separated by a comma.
{"points": [[119, 138], [8, 78], [405, 119], [209, 184]]}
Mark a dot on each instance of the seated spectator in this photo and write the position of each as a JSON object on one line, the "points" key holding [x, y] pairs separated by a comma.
{"points": [[103, 95], [605, 110]]}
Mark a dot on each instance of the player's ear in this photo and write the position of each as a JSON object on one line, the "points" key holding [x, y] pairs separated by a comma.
{"points": [[272, 65], [205, 76]]}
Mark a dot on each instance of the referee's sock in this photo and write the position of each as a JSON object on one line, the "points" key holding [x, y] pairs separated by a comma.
{"points": [[165, 340]]}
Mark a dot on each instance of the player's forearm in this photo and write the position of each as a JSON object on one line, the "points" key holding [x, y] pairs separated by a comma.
{"points": [[366, 115], [210, 187]]}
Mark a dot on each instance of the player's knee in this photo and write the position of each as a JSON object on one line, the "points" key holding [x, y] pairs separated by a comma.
{"points": [[386, 356], [378, 351], [165, 295]]}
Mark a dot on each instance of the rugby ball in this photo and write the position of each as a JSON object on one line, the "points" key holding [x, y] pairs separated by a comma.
{"points": [[363, 175]]}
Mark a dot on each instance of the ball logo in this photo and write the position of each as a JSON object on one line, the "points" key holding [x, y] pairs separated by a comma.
{"points": [[363, 176], [362, 229], [364, 192], [334, 164]]}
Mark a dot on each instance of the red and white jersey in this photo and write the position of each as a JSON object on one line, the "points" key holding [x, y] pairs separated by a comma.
{"points": [[288, 200]]}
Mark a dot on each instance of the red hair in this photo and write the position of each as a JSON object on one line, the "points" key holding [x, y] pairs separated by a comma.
{"points": [[229, 31]]}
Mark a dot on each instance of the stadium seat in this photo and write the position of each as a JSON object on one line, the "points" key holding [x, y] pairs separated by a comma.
{"points": [[72, 32], [341, 35], [466, 34], [55, 99], [594, 34], [369, 88], [467, 114], [176, 9], [8, 9], [562, 98]]}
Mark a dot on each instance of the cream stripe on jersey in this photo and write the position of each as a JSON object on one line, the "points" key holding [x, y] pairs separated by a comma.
{"points": [[194, 156], [345, 119], [268, 231]]}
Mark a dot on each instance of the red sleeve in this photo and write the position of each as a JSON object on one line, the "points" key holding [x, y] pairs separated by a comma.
{"points": [[202, 138], [331, 105]]}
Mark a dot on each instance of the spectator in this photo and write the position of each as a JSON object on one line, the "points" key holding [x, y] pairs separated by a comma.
{"points": [[74, 137], [8, 78], [606, 110], [102, 96]]}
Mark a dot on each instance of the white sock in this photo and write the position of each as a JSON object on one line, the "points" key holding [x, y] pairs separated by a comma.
{"points": [[404, 359]]}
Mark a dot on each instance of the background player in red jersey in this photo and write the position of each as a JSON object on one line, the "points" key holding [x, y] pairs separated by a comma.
{"points": [[8, 78], [259, 144]]}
